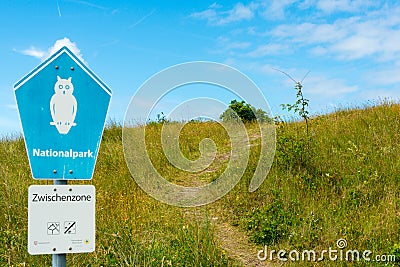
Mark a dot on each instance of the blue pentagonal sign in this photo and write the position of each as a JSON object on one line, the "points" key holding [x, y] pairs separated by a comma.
{"points": [[63, 107]]}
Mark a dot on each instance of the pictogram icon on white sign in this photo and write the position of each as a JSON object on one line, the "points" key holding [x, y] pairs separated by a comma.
{"points": [[69, 227], [53, 228]]}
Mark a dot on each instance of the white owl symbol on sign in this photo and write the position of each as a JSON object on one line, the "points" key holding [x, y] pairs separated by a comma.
{"points": [[63, 105]]}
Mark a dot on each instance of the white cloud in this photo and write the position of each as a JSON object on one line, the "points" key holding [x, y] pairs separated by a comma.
{"points": [[227, 44], [239, 12], [33, 52], [11, 106], [279, 9], [384, 77], [354, 47], [370, 31], [331, 6], [215, 16], [69, 44], [43, 55], [327, 87], [375, 35], [268, 49], [275, 9], [319, 50], [208, 14], [380, 94], [238, 45], [215, 5], [311, 33]]}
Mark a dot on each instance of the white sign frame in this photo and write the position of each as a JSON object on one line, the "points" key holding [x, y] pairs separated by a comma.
{"points": [[61, 219]]}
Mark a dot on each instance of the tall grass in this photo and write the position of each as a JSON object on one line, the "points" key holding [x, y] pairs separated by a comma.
{"points": [[132, 229], [341, 181], [343, 184]]}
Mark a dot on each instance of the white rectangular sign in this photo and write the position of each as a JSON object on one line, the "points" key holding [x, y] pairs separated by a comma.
{"points": [[61, 219]]}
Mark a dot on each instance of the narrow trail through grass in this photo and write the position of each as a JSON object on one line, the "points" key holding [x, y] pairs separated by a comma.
{"points": [[237, 244], [340, 182], [232, 240]]}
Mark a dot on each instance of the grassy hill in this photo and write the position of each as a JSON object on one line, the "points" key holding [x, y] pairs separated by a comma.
{"points": [[341, 181]]}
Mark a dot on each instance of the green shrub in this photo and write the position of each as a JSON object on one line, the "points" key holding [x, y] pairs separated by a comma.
{"points": [[271, 223]]}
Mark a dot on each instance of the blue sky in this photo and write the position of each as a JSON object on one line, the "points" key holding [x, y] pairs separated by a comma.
{"points": [[352, 48]]}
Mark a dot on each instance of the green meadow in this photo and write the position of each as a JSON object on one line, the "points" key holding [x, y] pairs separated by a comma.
{"points": [[339, 181]]}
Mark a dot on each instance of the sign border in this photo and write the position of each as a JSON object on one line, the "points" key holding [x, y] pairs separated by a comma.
{"points": [[64, 49], [60, 250], [89, 72]]}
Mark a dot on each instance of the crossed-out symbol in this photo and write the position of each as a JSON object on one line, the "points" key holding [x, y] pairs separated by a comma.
{"points": [[70, 227]]}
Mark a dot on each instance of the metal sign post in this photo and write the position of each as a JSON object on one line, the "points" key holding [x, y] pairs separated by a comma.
{"points": [[59, 260], [62, 106]]}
